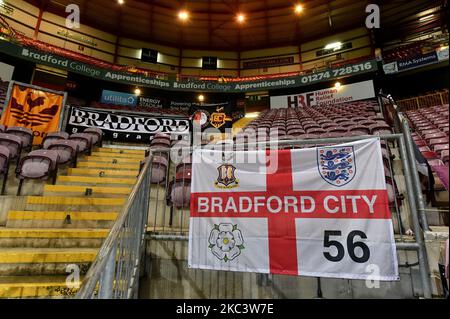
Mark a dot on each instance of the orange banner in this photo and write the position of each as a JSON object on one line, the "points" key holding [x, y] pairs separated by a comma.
{"points": [[34, 109]]}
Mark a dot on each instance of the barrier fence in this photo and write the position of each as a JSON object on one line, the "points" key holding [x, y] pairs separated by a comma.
{"points": [[115, 272], [424, 101]]}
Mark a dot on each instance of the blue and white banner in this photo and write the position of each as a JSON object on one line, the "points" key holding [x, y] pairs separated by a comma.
{"points": [[441, 54], [119, 98]]}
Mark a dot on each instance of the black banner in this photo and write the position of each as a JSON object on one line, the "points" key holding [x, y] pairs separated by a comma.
{"points": [[125, 126]]}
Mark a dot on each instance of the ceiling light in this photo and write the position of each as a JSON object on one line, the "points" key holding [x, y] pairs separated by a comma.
{"points": [[334, 46], [298, 8], [240, 18], [137, 91], [201, 97], [183, 15], [120, 2]]}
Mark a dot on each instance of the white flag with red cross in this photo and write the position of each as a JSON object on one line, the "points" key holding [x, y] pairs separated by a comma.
{"points": [[319, 211]]}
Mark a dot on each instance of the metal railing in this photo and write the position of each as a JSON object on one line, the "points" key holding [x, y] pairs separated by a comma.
{"points": [[401, 125], [114, 273], [416, 103]]}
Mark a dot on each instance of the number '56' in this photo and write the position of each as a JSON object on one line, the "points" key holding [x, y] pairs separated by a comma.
{"points": [[351, 246]]}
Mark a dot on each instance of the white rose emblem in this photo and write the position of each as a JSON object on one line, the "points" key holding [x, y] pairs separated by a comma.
{"points": [[226, 242]]}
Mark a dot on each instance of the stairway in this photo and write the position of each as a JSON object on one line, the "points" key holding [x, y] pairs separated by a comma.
{"points": [[63, 230]]}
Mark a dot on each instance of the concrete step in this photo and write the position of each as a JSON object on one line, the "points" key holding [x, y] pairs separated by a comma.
{"points": [[120, 151], [52, 238], [104, 173], [44, 261], [95, 180], [37, 287], [101, 165], [73, 204], [112, 160], [79, 201], [110, 155], [59, 219], [72, 190]]}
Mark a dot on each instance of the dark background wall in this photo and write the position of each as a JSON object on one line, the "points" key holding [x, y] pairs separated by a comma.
{"points": [[414, 83]]}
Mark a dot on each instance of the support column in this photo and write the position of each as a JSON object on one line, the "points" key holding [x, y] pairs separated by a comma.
{"points": [[239, 64], [38, 23], [300, 67]]}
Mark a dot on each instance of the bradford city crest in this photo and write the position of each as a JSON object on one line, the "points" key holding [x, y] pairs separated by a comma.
{"points": [[226, 178]]}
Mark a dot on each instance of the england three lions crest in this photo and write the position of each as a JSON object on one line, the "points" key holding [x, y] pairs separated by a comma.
{"points": [[226, 178], [337, 165]]}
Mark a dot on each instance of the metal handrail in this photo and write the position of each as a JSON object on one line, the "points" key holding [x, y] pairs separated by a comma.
{"points": [[403, 124], [107, 250]]}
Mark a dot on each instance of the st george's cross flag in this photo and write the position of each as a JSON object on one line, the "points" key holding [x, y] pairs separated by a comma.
{"points": [[320, 211]]}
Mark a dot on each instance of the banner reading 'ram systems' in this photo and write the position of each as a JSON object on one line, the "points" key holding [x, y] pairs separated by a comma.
{"points": [[319, 212], [34, 109]]}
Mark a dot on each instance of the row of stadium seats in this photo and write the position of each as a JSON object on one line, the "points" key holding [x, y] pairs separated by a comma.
{"points": [[431, 128], [350, 119], [178, 191], [407, 51], [344, 120], [58, 148]]}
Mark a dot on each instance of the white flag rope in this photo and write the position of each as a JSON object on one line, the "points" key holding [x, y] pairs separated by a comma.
{"points": [[311, 212]]}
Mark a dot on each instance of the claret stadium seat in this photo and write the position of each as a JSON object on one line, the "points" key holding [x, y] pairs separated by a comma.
{"points": [[38, 164], [84, 142], [66, 149], [97, 135], [25, 134], [54, 136], [179, 190], [13, 143], [4, 166]]}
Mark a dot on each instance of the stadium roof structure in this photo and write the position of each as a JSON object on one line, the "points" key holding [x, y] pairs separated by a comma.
{"points": [[213, 24]]}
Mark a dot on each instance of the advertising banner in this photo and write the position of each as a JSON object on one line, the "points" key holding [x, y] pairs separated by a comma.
{"points": [[61, 62], [345, 93], [151, 102], [118, 98], [320, 212], [37, 110], [414, 62], [125, 126]]}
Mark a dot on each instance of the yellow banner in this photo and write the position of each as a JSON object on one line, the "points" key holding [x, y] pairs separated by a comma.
{"points": [[33, 109]]}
